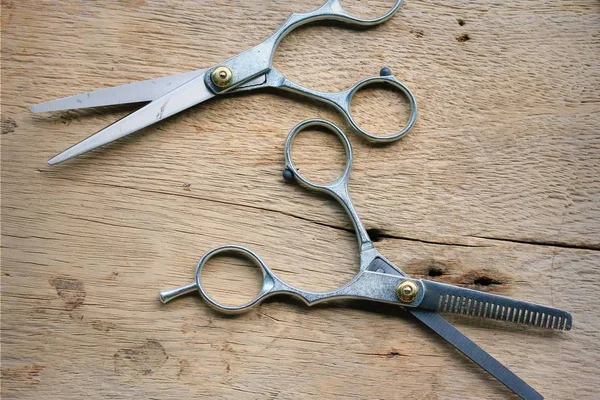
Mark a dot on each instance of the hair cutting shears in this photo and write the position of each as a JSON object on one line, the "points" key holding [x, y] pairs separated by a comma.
{"points": [[381, 281], [246, 71]]}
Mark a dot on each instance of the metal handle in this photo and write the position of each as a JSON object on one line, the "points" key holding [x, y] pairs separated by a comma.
{"points": [[338, 189], [389, 80], [270, 285], [341, 181], [333, 9], [342, 101], [366, 285], [258, 60]]}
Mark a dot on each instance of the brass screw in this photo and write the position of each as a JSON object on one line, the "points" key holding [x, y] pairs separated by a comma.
{"points": [[221, 77], [407, 291]]}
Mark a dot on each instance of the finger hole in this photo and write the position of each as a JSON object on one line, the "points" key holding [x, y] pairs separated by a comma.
{"points": [[318, 155], [231, 278], [370, 9], [380, 109]]}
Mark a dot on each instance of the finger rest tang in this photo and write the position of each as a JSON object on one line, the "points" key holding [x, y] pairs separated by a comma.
{"points": [[166, 296]]}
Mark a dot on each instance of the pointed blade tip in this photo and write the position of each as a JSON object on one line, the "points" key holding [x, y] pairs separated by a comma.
{"points": [[57, 159]]}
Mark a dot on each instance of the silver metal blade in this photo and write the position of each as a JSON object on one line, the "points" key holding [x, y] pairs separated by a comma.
{"points": [[185, 96], [479, 356], [135, 92], [448, 298]]}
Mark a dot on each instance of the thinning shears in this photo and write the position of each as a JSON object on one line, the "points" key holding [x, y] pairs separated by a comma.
{"points": [[381, 281], [249, 70]]}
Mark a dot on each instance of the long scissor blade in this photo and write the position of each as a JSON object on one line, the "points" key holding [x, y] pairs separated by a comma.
{"points": [[479, 356], [135, 92], [185, 96]]}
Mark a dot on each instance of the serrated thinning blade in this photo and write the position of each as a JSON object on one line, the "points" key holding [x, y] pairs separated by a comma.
{"points": [[448, 298]]}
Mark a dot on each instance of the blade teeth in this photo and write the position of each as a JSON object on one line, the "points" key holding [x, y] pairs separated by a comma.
{"points": [[568, 323], [509, 314], [525, 316], [564, 323], [463, 305], [543, 322], [484, 309], [456, 305]]}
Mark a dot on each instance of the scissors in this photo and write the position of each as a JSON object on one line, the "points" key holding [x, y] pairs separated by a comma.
{"points": [[246, 71], [381, 281]]}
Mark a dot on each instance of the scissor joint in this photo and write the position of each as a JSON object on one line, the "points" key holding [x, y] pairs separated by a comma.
{"points": [[410, 292], [407, 291]]}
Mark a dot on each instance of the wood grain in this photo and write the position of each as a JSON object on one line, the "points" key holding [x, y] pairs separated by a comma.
{"points": [[498, 182]]}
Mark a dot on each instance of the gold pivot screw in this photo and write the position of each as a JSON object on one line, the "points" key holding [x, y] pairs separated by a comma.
{"points": [[407, 291], [221, 77]]}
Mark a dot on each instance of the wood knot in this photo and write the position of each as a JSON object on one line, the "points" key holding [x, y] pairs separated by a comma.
{"points": [[71, 291], [376, 235], [140, 360], [463, 38]]}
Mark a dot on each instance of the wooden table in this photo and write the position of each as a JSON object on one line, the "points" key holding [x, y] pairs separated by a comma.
{"points": [[496, 188]]}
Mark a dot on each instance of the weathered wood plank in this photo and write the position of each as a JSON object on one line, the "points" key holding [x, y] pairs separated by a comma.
{"points": [[499, 180]]}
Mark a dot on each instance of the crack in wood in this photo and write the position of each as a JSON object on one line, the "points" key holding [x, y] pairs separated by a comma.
{"points": [[380, 235], [550, 243]]}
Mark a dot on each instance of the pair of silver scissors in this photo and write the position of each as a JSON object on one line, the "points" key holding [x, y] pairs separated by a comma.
{"points": [[246, 71], [381, 281]]}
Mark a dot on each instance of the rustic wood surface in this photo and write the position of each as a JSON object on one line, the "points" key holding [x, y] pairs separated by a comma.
{"points": [[496, 188]]}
